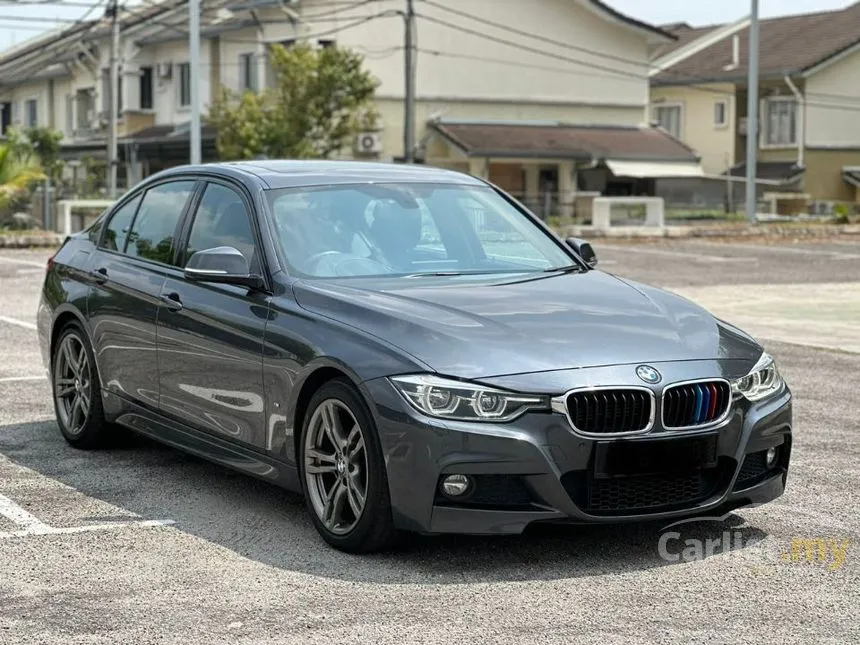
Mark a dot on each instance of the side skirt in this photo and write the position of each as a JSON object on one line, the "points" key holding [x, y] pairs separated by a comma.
{"points": [[224, 453]]}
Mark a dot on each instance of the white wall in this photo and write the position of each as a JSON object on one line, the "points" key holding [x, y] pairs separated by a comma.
{"points": [[20, 94], [166, 90], [836, 124], [715, 144], [503, 73]]}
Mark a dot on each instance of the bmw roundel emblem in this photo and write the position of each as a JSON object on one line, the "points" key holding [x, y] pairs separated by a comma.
{"points": [[648, 374]]}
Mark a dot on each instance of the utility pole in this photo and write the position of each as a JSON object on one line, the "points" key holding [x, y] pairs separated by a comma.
{"points": [[113, 98], [752, 113], [194, 74], [409, 76]]}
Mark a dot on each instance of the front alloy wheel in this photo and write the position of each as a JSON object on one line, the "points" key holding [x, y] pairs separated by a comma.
{"points": [[336, 466], [342, 471]]}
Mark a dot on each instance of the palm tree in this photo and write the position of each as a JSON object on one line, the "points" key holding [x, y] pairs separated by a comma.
{"points": [[17, 174]]}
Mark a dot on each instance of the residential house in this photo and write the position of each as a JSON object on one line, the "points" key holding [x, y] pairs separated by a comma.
{"points": [[542, 98], [809, 125]]}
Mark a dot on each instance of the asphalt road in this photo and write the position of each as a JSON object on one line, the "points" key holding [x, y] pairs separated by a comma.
{"points": [[241, 562]]}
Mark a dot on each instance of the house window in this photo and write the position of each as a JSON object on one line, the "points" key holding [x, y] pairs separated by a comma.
{"points": [[145, 88], [5, 117], [780, 122], [31, 111], [184, 84], [326, 43], [669, 118], [70, 113], [247, 73], [106, 92], [85, 106], [721, 113]]}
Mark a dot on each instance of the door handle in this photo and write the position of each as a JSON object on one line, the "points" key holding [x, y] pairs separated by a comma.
{"points": [[171, 301], [100, 275]]}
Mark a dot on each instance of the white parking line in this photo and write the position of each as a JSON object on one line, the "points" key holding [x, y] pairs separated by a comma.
{"points": [[15, 379], [32, 525], [20, 323], [836, 255], [679, 254], [29, 263]]}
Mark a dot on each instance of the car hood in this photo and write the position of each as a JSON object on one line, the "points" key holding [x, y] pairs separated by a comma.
{"points": [[479, 326]]}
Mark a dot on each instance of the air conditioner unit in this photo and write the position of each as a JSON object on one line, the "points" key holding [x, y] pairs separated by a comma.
{"points": [[165, 70], [368, 143]]}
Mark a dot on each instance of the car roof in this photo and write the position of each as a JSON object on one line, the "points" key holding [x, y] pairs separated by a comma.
{"points": [[293, 173]]}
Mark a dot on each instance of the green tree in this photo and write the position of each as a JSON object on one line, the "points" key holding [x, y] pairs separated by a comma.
{"points": [[320, 100], [46, 144], [18, 172]]}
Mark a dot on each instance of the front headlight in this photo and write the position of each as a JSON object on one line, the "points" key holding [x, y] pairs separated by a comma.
{"points": [[762, 381], [459, 401]]}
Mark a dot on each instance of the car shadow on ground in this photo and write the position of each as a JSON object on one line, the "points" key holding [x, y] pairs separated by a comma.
{"points": [[264, 523]]}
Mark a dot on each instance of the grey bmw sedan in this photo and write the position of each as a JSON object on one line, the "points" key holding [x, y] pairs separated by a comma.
{"points": [[409, 348]]}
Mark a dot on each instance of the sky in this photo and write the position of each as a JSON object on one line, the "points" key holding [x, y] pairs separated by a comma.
{"points": [[698, 12], [695, 12]]}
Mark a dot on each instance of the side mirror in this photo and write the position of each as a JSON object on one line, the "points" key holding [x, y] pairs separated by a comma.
{"points": [[223, 265], [583, 249]]}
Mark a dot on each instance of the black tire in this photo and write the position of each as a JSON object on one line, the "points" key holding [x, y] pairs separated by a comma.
{"points": [[374, 530], [84, 428]]}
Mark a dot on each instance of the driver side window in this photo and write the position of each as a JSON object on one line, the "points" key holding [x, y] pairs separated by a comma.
{"points": [[222, 220]]}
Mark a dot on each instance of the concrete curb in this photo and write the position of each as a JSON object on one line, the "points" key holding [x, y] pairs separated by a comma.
{"points": [[754, 230], [36, 240]]}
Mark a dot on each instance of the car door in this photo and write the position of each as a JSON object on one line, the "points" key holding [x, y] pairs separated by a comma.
{"points": [[133, 259], [210, 336]]}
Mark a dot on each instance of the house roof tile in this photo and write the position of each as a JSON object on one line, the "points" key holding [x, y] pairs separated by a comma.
{"points": [[788, 44], [563, 141]]}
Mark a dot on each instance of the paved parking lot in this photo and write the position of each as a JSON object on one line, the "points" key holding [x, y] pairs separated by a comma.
{"points": [[142, 543]]}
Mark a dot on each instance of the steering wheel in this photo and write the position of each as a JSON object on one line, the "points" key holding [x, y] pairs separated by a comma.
{"points": [[367, 266], [316, 257]]}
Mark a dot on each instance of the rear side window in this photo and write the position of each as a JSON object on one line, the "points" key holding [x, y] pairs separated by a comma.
{"points": [[221, 220], [117, 229], [154, 228]]}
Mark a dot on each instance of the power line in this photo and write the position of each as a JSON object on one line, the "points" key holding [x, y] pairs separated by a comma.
{"points": [[184, 32], [544, 39], [512, 63], [533, 50], [41, 3]]}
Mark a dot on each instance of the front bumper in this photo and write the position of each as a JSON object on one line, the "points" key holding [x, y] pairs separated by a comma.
{"points": [[536, 469]]}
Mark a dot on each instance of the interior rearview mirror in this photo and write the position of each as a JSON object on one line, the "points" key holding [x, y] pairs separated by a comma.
{"points": [[583, 249], [224, 265]]}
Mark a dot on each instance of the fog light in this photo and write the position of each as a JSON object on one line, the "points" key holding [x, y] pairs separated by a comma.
{"points": [[770, 457], [456, 485]]}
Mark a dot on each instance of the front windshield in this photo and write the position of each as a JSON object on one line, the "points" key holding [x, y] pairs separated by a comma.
{"points": [[411, 230]]}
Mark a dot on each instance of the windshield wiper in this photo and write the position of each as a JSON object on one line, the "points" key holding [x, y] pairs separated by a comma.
{"points": [[567, 268], [446, 273]]}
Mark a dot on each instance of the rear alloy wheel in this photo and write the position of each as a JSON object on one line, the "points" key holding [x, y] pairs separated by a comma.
{"points": [[343, 474], [77, 395]]}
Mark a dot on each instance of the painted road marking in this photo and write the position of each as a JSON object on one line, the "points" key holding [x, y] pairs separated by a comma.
{"points": [[835, 255], [31, 525], [20, 323], [680, 254], [15, 379], [29, 263]]}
